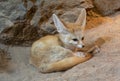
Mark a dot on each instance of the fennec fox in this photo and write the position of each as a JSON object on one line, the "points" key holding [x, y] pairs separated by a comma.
{"points": [[56, 53]]}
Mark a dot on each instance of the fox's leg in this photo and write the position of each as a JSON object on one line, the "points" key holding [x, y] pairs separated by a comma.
{"points": [[95, 49]]}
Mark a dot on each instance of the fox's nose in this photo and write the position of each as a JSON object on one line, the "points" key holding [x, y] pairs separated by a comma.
{"points": [[80, 46], [83, 46]]}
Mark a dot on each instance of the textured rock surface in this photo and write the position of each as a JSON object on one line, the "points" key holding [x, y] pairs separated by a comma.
{"points": [[103, 66], [107, 7], [35, 14], [10, 10]]}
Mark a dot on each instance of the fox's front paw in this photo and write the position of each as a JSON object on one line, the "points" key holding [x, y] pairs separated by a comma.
{"points": [[79, 54], [97, 49]]}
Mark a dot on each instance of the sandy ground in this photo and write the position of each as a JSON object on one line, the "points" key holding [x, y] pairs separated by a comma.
{"points": [[104, 66]]}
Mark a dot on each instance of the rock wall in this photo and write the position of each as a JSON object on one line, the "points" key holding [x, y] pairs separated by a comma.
{"points": [[27, 15], [24, 15]]}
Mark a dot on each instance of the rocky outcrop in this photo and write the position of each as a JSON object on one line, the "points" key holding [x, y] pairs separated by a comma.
{"points": [[37, 16]]}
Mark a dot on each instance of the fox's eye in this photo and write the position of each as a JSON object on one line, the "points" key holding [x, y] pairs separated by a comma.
{"points": [[75, 39], [82, 38]]}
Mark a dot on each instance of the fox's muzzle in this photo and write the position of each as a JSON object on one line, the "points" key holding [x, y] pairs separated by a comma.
{"points": [[80, 44]]}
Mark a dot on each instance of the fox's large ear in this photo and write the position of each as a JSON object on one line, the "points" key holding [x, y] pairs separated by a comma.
{"points": [[81, 21], [59, 25]]}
